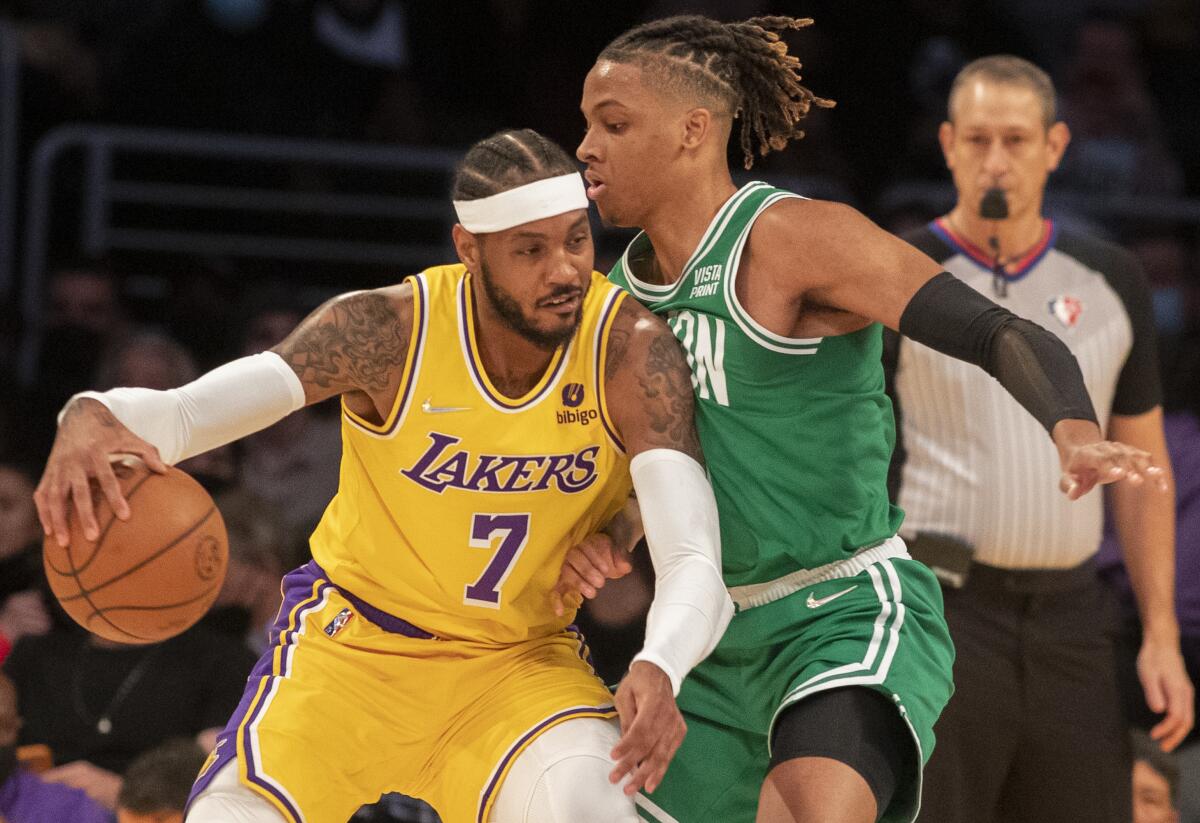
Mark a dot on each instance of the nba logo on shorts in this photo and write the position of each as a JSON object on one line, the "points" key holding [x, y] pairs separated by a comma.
{"points": [[338, 622], [572, 395]]}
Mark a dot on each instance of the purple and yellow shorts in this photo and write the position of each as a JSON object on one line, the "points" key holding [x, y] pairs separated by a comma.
{"points": [[350, 703]]}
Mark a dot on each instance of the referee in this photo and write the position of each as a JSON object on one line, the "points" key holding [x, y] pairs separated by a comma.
{"points": [[1034, 730]]}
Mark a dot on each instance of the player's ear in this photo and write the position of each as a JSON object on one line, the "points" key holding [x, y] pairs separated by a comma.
{"points": [[697, 125], [467, 246]]}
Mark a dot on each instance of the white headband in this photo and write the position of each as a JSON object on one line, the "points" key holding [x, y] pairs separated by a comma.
{"points": [[524, 204]]}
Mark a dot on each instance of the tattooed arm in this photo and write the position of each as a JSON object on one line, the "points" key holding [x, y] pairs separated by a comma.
{"points": [[650, 399], [649, 385], [354, 344]]}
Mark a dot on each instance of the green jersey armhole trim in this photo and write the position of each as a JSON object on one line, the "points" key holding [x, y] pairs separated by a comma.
{"points": [[655, 293], [754, 330]]}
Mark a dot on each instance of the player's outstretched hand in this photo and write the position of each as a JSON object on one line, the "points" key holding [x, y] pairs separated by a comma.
{"points": [[1088, 462], [586, 569], [651, 728], [88, 438]]}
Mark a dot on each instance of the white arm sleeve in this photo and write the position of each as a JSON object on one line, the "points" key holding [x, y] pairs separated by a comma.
{"points": [[231, 401], [691, 605]]}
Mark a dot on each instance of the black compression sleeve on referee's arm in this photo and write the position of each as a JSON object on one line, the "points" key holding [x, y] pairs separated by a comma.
{"points": [[1032, 365]]}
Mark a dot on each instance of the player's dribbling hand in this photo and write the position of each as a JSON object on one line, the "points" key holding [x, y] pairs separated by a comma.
{"points": [[651, 728], [585, 570], [88, 438], [1088, 462]]}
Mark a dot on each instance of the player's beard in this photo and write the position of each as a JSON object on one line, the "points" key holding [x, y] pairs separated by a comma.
{"points": [[510, 312]]}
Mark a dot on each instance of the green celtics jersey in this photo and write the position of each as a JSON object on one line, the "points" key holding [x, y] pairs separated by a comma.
{"points": [[797, 433]]}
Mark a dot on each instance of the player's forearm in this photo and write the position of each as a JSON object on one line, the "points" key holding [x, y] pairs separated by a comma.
{"points": [[1145, 522], [1032, 365], [691, 605], [230, 402]]}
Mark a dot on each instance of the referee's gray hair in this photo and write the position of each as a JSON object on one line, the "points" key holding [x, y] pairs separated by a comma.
{"points": [[1010, 70]]}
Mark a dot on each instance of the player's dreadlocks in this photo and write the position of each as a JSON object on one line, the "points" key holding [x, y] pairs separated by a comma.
{"points": [[744, 67], [506, 160]]}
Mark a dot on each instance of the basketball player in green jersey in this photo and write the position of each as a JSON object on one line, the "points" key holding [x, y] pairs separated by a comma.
{"points": [[820, 700]]}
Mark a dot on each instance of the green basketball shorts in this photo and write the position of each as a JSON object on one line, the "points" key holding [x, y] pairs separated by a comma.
{"points": [[873, 621]]}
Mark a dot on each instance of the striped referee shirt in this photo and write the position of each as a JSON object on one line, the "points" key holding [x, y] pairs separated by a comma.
{"points": [[969, 461]]}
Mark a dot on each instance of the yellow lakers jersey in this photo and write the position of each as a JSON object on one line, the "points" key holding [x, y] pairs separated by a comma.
{"points": [[455, 513]]}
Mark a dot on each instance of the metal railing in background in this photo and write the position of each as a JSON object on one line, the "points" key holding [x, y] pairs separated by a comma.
{"points": [[10, 128], [106, 185]]}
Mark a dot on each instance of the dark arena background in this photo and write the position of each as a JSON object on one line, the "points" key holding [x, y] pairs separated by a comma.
{"points": [[182, 181]]}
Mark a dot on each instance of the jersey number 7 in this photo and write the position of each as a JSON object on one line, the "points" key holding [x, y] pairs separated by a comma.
{"points": [[514, 534]]}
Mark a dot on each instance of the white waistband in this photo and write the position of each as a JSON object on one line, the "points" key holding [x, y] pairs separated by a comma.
{"points": [[760, 594]]}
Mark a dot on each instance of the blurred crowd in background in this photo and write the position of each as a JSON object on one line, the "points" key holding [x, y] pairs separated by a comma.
{"points": [[413, 73]]}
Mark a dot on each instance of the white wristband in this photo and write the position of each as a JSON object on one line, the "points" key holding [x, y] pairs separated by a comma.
{"points": [[231, 401], [691, 605]]}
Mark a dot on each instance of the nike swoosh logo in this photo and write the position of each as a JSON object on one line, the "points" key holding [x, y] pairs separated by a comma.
{"points": [[814, 603], [429, 408]]}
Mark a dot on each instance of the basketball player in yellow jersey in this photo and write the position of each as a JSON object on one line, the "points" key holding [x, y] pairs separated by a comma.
{"points": [[495, 413]]}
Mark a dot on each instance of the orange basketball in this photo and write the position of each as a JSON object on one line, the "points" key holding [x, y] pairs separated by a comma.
{"points": [[147, 578]]}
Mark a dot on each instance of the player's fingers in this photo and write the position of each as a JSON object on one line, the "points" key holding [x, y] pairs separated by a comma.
{"points": [[639, 739], [81, 496], [664, 740], [598, 550], [41, 503], [1076, 484], [664, 752], [151, 457], [568, 580], [590, 580], [110, 486], [626, 710], [56, 501], [563, 600], [622, 565]]}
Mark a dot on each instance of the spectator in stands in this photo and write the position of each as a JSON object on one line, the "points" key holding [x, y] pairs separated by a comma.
{"points": [[156, 785], [22, 605], [84, 318], [1155, 782], [363, 82], [153, 360], [148, 359], [293, 464], [25, 797], [98, 705], [1118, 147], [260, 552]]}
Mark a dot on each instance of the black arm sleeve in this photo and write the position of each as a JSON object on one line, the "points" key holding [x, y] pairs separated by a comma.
{"points": [[1032, 365]]}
